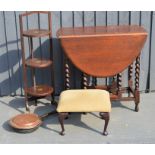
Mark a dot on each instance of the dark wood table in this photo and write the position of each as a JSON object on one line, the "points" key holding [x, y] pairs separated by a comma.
{"points": [[105, 51]]}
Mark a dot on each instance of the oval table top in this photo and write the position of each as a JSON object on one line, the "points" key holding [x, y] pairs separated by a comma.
{"points": [[102, 51]]}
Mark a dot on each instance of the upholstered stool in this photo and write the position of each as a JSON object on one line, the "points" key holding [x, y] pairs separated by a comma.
{"points": [[84, 100]]}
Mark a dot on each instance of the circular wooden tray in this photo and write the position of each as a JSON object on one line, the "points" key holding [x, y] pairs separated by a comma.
{"points": [[38, 63], [39, 90], [36, 33]]}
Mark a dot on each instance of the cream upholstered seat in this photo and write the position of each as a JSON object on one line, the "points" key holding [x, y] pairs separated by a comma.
{"points": [[84, 100]]}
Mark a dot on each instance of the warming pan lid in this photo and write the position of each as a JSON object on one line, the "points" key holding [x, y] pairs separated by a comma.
{"points": [[25, 121]]}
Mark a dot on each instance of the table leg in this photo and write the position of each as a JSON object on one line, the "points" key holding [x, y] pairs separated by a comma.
{"points": [[137, 95], [119, 84], [67, 75]]}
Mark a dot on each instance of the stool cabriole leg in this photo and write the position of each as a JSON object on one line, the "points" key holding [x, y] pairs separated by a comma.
{"points": [[106, 117], [61, 118]]}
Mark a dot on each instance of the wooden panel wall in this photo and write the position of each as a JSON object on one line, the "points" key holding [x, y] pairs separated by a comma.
{"points": [[10, 48]]}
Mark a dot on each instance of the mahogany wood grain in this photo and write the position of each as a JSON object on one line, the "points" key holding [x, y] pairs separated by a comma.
{"points": [[102, 51]]}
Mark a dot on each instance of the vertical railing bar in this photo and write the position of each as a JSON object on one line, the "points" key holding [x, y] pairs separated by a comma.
{"points": [[118, 17], [40, 48], [83, 18], [73, 18], [129, 17], [73, 67], [60, 18], [10, 83], [106, 25], [94, 18], [94, 79], [63, 58], [27, 27], [106, 18], [140, 18], [82, 26], [20, 72], [130, 68], [39, 26], [150, 43]]}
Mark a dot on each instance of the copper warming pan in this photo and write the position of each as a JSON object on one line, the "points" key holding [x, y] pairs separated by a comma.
{"points": [[28, 122]]}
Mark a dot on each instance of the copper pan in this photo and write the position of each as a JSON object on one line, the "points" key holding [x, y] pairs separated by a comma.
{"points": [[28, 122]]}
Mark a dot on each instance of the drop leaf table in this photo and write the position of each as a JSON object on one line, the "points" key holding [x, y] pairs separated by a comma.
{"points": [[105, 51]]}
